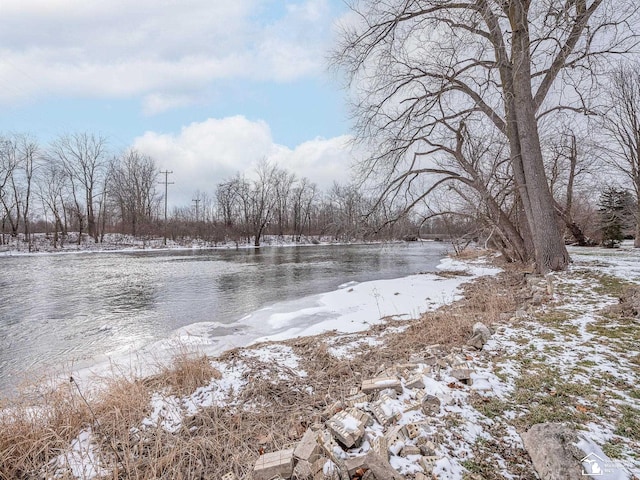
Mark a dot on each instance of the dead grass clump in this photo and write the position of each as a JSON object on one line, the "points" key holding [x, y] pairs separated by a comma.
{"points": [[186, 373], [485, 300], [471, 253], [628, 303], [31, 436]]}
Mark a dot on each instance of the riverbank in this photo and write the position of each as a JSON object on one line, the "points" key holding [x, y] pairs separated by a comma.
{"points": [[561, 350], [115, 242]]}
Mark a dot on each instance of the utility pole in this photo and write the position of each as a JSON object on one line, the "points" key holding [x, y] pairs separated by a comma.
{"points": [[166, 184], [196, 201]]}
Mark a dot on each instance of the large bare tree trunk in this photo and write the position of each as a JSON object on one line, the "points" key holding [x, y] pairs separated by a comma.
{"points": [[549, 248]]}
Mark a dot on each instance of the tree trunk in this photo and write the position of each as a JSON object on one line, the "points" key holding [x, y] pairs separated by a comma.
{"points": [[636, 240], [549, 248]]}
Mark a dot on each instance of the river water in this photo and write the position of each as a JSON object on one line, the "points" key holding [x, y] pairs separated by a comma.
{"points": [[68, 309]]}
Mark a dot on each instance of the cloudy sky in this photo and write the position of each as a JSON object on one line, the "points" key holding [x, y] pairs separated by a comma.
{"points": [[207, 87]]}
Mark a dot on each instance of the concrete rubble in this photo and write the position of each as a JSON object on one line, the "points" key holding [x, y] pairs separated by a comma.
{"points": [[385, 421]]}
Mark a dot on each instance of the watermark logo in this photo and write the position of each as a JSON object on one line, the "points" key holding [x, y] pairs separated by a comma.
{"points": [[592, 465]]}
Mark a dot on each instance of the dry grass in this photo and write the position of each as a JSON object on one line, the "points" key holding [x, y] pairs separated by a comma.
{"points": [[272, 411], [186, 373]]}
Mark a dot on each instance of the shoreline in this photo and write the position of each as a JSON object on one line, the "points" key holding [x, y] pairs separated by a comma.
{"points": [[135, 245]]}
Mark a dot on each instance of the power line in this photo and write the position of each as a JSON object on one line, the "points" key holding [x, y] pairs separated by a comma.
{"points": [[166, 185], [197, 202]]}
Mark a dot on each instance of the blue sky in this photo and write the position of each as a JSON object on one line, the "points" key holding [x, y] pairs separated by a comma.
{"points": [[206, 87]]}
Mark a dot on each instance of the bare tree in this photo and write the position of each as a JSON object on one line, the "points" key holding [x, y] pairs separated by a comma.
{"points": [[83, 157], [51, 185], [426, 73], [571, 159], [8, 191], [132, 185], [622, 123], [29, 156], [303, 198]]}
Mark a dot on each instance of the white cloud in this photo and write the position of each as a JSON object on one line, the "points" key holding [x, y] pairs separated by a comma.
{"points": [[164, 51], [207, 153]]}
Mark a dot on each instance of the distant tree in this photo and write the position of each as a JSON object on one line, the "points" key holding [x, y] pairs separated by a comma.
{"points": [[51, 187], [83, 159], [132, 185], [9, 164], [615, 208], [303, 198], [622, 123]]}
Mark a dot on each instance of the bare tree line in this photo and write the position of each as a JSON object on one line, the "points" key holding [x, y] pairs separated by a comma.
{"points": [[76, 185], [271, 200]]}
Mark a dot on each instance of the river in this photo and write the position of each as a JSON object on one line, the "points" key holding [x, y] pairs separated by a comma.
{"points": [[58, 310]]}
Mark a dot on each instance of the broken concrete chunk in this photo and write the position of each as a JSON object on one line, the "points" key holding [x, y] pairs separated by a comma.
{"points": [[326, 442], [383, 410], [415, 382], [413, 431], [430, 405], [420, 476], [409, 450], [353, 391], [355, 463], [428, 371], [346, 428], [353, 400], [229, 476], [275, 463], [428, 448], [324, 469], [361, 415], [427, 463], [411, 406], [303, 470], [380, 446], [368, 475], [380, 383], [455, 360], [307, 449], [380, 468], [435, 349], [462, 374], [332, 409], [396, 435]]}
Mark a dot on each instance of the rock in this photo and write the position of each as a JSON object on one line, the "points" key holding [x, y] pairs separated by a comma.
{"points": [[463, 375], [476, 342], [480, 336], [481, 329], [552, 449], [537, 299]]}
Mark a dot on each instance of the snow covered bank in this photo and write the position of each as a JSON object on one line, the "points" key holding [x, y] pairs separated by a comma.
{"points": [[354, 307]]}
